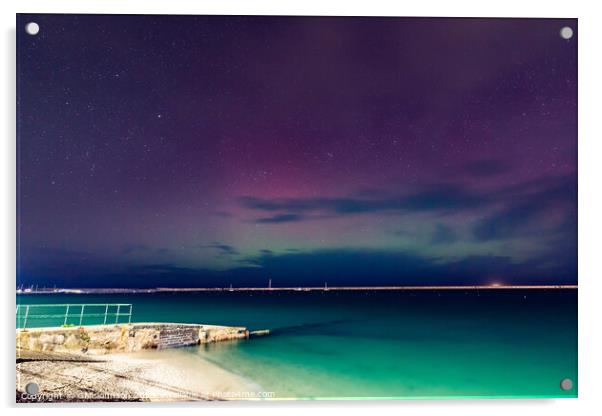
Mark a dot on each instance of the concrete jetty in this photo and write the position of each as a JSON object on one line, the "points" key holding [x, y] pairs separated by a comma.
{"points": [[120, 362], [106, 339]]}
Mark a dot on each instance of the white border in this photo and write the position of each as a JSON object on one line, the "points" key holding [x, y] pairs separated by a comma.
{"points": [[590, 175]]}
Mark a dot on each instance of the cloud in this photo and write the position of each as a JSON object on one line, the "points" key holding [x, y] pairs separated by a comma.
{"points": [[141, 248], [527, 208], [223, 249], [443, 235], [223, 214], [280, 218], [507, 223], [486, 167], [381, 267], [161, 268], [442, 197], [134, 248], [496, 214], [338, 266], [543, 211]]}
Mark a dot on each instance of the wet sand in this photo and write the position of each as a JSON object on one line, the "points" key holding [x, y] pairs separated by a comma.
{"points": [[169, 375]]}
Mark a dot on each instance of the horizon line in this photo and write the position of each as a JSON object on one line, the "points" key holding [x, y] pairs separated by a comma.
{"points": [[289, 288]]}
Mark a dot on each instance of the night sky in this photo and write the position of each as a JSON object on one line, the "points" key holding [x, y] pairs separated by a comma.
{"points": [[215, 150]]}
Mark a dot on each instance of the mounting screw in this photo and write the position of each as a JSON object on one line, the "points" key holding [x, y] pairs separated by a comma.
{"points": [[566, 384], [32, 28], [32, 389], [566, 33]]}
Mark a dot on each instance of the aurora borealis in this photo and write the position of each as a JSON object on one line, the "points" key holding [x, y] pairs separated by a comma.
{"points": [[215, 150]]}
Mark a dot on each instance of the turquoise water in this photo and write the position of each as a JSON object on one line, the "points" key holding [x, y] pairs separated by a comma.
{"points": [[493, 343]]}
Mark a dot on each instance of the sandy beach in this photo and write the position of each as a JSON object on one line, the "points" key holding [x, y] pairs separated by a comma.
{"points": [[169, 375]]}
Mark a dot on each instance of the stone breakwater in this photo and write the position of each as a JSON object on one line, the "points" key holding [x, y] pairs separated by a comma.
{"points": [[119, 338]]}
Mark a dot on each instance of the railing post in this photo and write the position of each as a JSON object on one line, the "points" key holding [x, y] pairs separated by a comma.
{"points": [[66, 315], [26, 314], [81, 315], [106, 311]]}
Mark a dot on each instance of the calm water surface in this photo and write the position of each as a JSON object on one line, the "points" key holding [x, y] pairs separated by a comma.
{"points": [[491, 343]]}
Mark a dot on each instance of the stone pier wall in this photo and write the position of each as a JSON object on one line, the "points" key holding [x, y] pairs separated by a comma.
{"points": [[105, 339]]}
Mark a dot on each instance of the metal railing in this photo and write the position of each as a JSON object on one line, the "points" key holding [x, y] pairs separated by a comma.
{"points": [[73, 314]]}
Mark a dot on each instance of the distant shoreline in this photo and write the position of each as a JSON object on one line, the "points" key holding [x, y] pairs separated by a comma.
{"points": [[90, 291]]}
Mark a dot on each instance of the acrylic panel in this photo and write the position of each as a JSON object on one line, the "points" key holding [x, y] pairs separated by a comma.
{"points": [[273, 207]]}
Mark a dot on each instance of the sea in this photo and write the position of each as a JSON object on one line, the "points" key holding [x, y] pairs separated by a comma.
{"points": [[511, 343]]}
